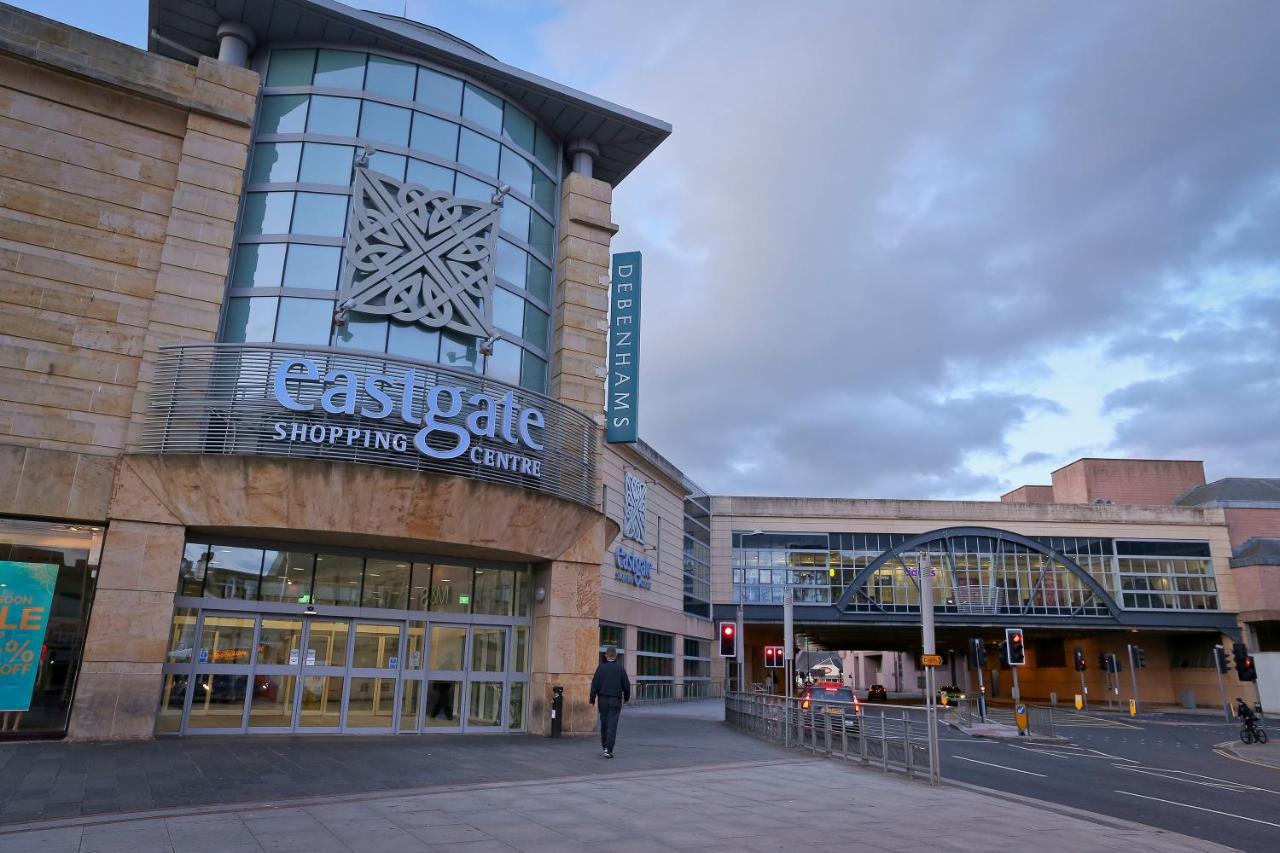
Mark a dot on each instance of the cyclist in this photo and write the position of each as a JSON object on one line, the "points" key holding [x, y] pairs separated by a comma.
{"points": [[1249, 730], [1244, 713]]}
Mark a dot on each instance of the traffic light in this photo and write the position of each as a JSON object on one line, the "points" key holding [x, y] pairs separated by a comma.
{"points": [[977, 652], [1081, 666], [1139, 657], [773, 657], [728, 640], [1221, 658], [1240, 652], [1102, 662], [1248, 672], [1016, 652]]}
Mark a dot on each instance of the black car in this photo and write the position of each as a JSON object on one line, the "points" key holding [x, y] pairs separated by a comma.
{"points": [[829, 698], [877, 693]]}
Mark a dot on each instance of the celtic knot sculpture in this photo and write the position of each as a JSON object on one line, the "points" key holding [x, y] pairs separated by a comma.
{"points": [[635, 493], [419, 255]]}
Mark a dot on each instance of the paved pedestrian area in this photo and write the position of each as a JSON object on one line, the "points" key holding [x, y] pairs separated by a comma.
{"points": [[796, 803]]}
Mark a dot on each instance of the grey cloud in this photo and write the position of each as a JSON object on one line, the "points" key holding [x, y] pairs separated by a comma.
{"points": [[866, 207]]}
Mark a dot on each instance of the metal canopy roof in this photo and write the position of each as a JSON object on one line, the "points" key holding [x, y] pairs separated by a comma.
{"points": [[185, 29]]}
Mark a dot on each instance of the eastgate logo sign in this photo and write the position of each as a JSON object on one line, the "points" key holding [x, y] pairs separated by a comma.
{"points": [[632, 568], [382, 396]]}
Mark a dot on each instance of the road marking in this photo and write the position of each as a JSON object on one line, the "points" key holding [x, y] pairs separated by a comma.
{"points": [[1211, 782], [1199, 808], [1047, 752], [1102, 754], [1001, 766]]}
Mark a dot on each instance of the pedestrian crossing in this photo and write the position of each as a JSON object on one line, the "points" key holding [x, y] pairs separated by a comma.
{"points": [[1063, 718]]}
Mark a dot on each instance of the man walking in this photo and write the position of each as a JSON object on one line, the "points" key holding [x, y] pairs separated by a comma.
{"points": [[612, 687]]}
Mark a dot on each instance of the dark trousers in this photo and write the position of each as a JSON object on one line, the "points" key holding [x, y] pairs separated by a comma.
{"points": [[610, 708]]}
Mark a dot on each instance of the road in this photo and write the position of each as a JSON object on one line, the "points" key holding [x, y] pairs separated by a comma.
{"points": [[1161, 771]]}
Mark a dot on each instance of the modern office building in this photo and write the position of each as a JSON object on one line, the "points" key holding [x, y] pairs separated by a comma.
{"points": [[303, 322]]}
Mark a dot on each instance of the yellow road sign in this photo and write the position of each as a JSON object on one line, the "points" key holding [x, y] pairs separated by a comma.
{"points": [[1133, 707], [931, 660], [1079, 701]]}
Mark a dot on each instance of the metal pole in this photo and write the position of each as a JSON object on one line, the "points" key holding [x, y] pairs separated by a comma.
{"points": [[741, 642], [1084, 691], [1017, 694], [789, 638], [927, 639], [1218, 652], [1133, 675], [982, 697]]}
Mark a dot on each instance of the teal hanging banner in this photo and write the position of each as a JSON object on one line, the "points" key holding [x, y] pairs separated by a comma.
{"points": [[26, 591], [623, 386]]}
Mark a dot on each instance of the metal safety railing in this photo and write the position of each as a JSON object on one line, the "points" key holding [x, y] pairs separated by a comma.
{"points": [[655, 692], [891, 737], [1040, 718]]}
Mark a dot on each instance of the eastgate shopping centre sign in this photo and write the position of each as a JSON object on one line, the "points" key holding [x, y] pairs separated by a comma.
{"points": [[303, 402]]}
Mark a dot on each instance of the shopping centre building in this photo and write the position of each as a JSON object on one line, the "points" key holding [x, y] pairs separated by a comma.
{"points": [[303, 339]]}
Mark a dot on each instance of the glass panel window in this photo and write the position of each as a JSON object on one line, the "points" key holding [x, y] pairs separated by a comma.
{"points": [[524, 592], [444, 704], [536, 325], [541, 235], [313, 267], [459, 352], [478, 152], [195, 561], [415, 647], [436, 136], [267, 213], [533, 373], [390, 77], [258, 265], [275, 162], [173, 695], [272, 702], [376, 646], [182, 636], [327, 643], [372, 703], [451, 589], [340, 69], [515, 218], [218, 702], [544, 191], [517, 127], [494, 592], [430, 175], [386, 584], [539, 282], [250, 319], [469, 187], [286, 576], [333, 116], [388, 164], [520, 650], [323, 163], [338, 580], [304, 321], [516, 171], [508, 311], [320, 214], [233, 573], [488, 649], [448, 648], [283, 114], [482, 108], [504, 364], [385, 123], [485, 708], [362, 333], [546, 150], [321, 705], [411, 340], [291, 67], [515, 707], [279, 641], [226, 640], [510, 264], [439, 91]]}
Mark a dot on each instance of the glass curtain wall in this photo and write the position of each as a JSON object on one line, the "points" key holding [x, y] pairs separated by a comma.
{"points": [[697, 553], [318, 111], [281, 640], [47, 573], [974, 574]]}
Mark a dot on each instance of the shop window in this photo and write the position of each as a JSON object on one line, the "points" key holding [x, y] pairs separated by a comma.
{"points": [[494, 592], [338, 580], [233, 573], [286, 576], [451, 589], [524, 592], [386, 584]]}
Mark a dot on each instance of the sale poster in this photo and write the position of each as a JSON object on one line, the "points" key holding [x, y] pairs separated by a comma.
{"points": [[26, 593]]}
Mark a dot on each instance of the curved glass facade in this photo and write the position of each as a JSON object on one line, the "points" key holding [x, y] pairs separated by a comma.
{"points": [[319, 109]]}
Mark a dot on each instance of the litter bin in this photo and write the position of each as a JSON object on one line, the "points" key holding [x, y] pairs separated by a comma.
{"points": [[557, 710]]}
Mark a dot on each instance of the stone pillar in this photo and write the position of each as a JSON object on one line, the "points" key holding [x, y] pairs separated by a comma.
{"points": [[118, 690], [566, 633]]}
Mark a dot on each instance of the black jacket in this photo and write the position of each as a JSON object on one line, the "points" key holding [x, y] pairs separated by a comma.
{"points": [[610, 680]]}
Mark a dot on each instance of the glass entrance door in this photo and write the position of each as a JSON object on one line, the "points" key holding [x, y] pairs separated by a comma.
{"points": [[375, 667], [324, 656], [276, 674], [223, 664], [486, 678], [466, 678]]}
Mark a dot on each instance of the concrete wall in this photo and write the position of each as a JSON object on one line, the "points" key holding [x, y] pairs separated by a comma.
{"points": [[1246, 523], [1029, 495]]}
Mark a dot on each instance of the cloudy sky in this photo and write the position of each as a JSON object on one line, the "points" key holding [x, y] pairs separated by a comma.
{"points": [[930, 249]]}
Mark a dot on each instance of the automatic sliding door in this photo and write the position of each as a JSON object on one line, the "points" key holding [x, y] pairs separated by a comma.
{"points": [[276, 674], [324, 675], [224, 657], [487, 676], [375, 666], [446, 677]]}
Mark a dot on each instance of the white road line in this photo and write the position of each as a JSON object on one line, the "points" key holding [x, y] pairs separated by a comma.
{"points": [[1001, 766], [1048, 752], [1210, 781], [1199, 808], [1102, 754]]}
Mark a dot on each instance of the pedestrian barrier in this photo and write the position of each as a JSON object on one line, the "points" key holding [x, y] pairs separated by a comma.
{"points": [[891, 737], [656, 692], [1040, 718]]}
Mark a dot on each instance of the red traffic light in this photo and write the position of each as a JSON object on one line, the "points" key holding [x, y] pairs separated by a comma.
{"points": [[1017, 638], [727, 630]]}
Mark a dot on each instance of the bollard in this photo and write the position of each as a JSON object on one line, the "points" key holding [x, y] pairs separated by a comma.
{"points": [[557, 710]]}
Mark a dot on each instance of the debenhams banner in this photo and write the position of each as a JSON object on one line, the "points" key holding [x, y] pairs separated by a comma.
{"points": [[269, 400]]}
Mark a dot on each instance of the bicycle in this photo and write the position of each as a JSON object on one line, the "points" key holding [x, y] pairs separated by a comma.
{"points": [[1251, 732]]}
